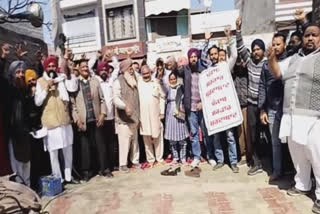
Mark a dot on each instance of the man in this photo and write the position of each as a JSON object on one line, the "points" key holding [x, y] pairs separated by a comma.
{"points": [[300, 121], [270, 103], [222, 55], [89, 111], [51, 93], [40, 162], [4, 157], [152, 104], [19, 123], [192, 101], [213, 142], [127, 112], [254, 66], [136, 67], [240, 79], [106, 79]]}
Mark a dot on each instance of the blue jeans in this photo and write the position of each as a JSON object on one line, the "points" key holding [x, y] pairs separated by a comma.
{"points": [[274, 127], [232, 147], [195, 121], [208, 140]]}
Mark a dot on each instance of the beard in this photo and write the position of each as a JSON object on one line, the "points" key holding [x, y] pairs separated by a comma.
{"points": [[193, 66], [20, 83], [104, 76], [130, 79], [52, 74]]}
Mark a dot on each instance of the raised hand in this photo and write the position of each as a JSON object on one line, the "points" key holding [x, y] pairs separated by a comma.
{"points": [[19, 51], [5, 50], [271, 54], [208, 35], [300, 15], [227, 31], [238, 23]]}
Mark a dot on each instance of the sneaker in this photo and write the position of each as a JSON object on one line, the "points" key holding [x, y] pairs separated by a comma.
{"points": [[316, 207], [194, 172], [254, 170], [217, 166], [295, 192], [124, 169], [212, 162], [195, 163], [234, 168], [136, 166]]}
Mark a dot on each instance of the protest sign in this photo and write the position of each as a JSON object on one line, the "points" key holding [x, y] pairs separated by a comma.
{"points": [[220, 104]]}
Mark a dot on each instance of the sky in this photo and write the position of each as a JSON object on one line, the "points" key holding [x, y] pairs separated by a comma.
{"points": [[217, 5]]}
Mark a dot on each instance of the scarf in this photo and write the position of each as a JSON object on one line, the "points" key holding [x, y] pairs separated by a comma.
{"points": [[130, 79]]}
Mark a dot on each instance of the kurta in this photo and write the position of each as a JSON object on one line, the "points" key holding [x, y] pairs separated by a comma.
{"points": [[175, 129], [152, 105], [62, 136]]}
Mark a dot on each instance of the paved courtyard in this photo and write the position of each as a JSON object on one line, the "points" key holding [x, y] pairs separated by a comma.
{"points": [[147, 192]]}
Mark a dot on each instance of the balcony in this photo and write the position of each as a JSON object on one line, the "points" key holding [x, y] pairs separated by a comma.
{"points": [[69, 4]]}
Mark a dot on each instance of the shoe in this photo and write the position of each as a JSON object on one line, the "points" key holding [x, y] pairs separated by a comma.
{"points": [[254, 170], [85, 177], [274, 177], [124, 169], [234, 168], [108, 174], [212, 162], [217, 166], [316, 207], [195, 163], [193, 172], [242, 163], [293, 191], [73, 181], [171, 172], [136, 166]]}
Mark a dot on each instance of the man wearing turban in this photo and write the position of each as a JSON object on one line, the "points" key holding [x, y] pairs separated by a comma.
{"points": [[52, 94], [106, 79], [19, 123], [126, 100], [192, 102]]}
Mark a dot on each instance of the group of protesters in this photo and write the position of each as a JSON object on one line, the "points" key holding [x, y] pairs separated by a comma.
{"points": [[83, 116]]}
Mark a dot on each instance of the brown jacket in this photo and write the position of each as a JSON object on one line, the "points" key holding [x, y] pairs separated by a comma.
{"points": [[79, 106]]}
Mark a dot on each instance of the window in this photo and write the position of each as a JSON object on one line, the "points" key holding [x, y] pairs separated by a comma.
{"points": [[120, 23]]}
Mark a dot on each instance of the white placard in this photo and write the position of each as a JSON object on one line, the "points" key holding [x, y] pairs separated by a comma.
{"points": [[221, 108]]}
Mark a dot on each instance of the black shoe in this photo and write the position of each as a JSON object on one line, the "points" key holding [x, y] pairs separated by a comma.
{"points": [[169, 172], [234, 168], [85, 177], [295, 192], [73, 181], [217, 166], [254, 170], [316, 207], [108, 174]]}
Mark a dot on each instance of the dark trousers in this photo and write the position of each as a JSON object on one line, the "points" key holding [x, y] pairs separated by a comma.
{"points": [[109, 138], [93, 149], [254, 126]]}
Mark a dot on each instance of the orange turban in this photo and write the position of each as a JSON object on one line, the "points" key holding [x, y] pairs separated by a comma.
{"points": [[30, 73]]}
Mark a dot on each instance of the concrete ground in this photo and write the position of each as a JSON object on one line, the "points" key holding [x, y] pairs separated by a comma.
{"points": [[147, 192]]}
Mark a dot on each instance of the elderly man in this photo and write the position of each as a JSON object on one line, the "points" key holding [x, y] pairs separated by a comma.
{"points": [[192, 101], [19, 123], [152, 104], [127, 112], [89, 111], [51, 93], [300, 121]]}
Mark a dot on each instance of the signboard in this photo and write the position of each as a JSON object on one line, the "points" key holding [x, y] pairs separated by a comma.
{"points": [[122, 51], [168, 44], [221, 108]]}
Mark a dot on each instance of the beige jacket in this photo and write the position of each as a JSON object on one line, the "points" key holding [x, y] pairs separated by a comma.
{"points": [[79, 106]]}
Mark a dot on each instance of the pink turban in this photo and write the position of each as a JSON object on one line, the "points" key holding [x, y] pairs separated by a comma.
{"points": [[193, 51], [102, 65], [48, 60]]}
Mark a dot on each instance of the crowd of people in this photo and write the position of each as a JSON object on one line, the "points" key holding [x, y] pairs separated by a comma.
{"points": [[90, 114]]}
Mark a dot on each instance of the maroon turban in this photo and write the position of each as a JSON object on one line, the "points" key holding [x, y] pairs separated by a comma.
{"points": [[48, 60], [194, 50], [102, 65]]}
